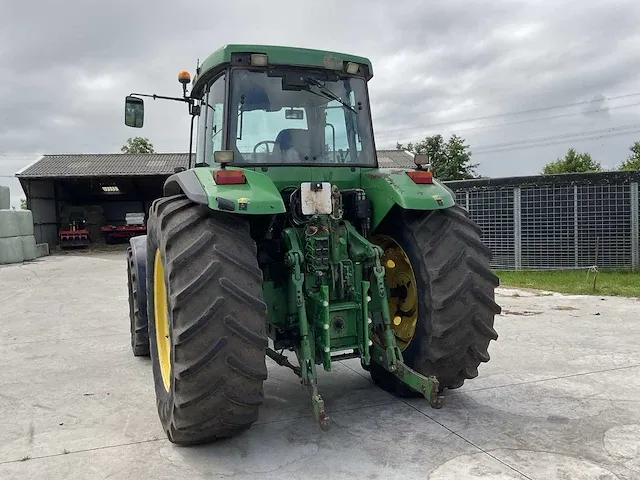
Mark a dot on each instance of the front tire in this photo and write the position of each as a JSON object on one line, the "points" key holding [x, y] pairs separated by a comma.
{"points": [[455, 298], [207, 321]]}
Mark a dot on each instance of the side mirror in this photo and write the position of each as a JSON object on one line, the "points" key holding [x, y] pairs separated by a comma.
{"points": [[133, 112], [421, 159]]}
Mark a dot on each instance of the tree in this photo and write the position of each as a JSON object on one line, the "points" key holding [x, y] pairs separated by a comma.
{"points": [[633, 161], [23, 203], [573, 162], [449, 161], [137, 145]]}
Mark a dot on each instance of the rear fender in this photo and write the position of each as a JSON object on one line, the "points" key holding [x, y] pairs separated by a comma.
{"points": [[258, 196], [387, 187], [185, 182]]}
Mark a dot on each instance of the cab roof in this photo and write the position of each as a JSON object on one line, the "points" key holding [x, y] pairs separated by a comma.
{"points": [[280, 55]]}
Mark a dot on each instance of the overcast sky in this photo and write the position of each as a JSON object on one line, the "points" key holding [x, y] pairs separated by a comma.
{"points": [[439, 67]]}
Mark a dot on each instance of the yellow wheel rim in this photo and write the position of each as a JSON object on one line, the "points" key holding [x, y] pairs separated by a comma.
{"points": [[401, 282], [161, 321]]}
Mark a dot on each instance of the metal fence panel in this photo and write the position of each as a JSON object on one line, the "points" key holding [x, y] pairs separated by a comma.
{"points": [[604, 222], [494, 213], [548, 235], [558, 226]]}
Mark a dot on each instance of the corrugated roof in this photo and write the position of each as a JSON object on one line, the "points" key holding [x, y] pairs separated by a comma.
{"points": [[145, 164], [109, 164], [395, 158]]}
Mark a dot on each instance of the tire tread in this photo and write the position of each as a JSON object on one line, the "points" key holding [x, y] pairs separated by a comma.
{"points": [[219, 362]]}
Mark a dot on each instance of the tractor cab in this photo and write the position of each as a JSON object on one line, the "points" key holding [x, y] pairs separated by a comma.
{"points": [[270, 108], [294, 117]]}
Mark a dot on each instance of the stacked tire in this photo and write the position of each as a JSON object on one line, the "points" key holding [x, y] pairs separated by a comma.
{"points": [[17, 242]]}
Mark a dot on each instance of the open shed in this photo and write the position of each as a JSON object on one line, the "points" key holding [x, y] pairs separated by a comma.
{"points": [[104, 186]]}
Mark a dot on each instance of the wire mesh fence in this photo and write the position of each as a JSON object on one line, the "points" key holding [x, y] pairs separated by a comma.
{"points": [[557, 222]]}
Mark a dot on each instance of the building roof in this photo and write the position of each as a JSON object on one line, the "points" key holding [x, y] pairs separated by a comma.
{"points": [[104, 165], [395, 159], [145, 164]]}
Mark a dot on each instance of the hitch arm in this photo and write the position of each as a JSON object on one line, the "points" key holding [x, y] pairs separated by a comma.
{"points": [[427, 386], [306, 354], [391, 357]]}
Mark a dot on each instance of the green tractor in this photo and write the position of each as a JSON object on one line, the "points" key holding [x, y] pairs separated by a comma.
{"points": [[284, 235]]}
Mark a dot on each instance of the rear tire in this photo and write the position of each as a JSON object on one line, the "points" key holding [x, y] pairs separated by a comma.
{"points": [[136, 280], [456, 301], [216, 321]]}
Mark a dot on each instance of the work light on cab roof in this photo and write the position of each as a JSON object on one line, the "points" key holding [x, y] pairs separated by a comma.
{"points": [[288, 231]]}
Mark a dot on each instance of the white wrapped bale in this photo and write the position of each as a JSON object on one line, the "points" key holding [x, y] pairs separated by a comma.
{"points": [[9, 224], [25, 222], [29, 247], [11, 250], [5, 198]]}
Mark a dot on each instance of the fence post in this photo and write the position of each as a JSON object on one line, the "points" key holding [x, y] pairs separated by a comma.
{"points": [[517, 229], [635, 227], [575, 226]]}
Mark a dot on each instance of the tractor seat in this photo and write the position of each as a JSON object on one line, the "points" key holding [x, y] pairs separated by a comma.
{"points": [[293, 138]]}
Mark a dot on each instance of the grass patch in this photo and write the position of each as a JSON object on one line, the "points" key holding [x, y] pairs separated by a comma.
{"points": [[608, 282]]}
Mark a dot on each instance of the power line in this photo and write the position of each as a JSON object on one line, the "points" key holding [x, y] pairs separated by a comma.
{"points": [[565, 136], [531, 110], [519, 97], [558, 142], [520, 121]]}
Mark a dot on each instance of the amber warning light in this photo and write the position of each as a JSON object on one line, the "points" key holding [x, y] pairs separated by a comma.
{"points": [[184, 77]]}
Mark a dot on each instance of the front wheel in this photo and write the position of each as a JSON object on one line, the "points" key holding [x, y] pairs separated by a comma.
{"points": [[442, 300], [206, 321]]}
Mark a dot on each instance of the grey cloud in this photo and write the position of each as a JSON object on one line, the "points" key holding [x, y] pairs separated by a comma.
{"points": [[490, 57]]}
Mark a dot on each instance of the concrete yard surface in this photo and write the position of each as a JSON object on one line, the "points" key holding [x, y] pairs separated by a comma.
{"points": [[560, 398]]}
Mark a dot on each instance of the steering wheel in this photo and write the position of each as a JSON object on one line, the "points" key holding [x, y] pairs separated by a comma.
{"points": [[266, 142]]}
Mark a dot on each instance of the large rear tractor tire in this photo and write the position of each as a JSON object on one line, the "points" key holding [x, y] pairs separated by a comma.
{"points": [[206, 321], [136, 280], [443, 302]]}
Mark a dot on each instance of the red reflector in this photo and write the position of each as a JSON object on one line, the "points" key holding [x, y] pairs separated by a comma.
{"points": [[421, 176], [229, 177]]}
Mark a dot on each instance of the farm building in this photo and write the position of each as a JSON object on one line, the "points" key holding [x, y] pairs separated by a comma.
{"points": [[104, 188]]}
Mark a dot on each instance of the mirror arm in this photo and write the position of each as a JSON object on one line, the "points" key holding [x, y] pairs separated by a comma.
{"points": [[161, 97], [195, 111]]}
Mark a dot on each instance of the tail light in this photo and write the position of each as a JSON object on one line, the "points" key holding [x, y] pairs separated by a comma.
{"points": [[421, 176], [229, 177]]}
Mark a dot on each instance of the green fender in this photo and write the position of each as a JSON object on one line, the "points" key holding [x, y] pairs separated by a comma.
{"points": [[258, 196], [387, 187]]}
